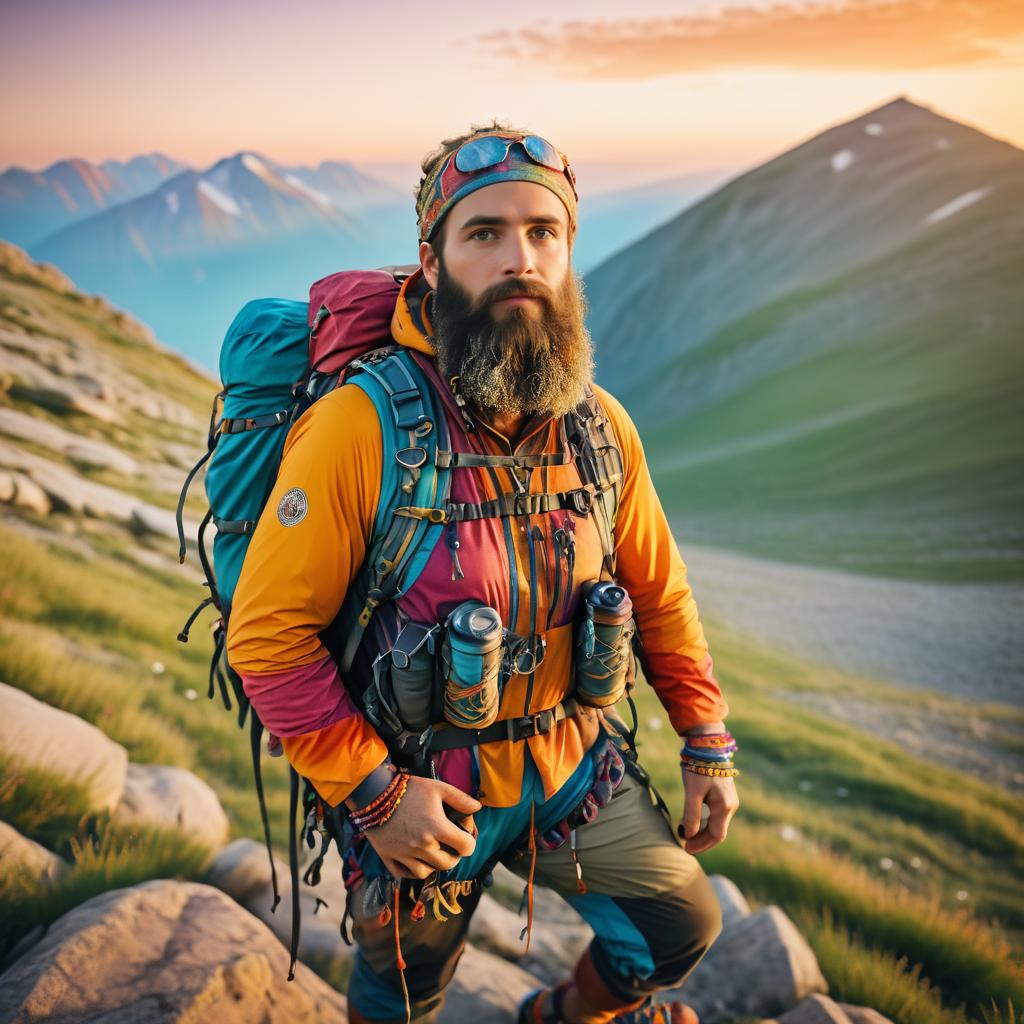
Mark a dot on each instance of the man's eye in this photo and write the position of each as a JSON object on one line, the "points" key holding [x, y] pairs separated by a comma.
{"points": [[550, 233], [482, 231]]}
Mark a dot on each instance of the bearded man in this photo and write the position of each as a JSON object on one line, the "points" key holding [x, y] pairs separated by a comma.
{"points": [[541, 775]]}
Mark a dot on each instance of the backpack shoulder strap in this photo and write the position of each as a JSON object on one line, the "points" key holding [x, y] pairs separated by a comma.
{"points": [[413, 429], [599, 462]]}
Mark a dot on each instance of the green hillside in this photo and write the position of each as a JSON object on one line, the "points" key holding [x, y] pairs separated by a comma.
{"points": [[826, 356]]}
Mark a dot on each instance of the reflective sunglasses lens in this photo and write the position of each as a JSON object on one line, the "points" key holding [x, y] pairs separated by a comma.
{"points": [[480, 153], [542, 152]]}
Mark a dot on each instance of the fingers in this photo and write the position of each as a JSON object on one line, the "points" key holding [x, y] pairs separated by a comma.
{"points": [[454, 797], [722, 803], [437, 859], [460, 839], [691, 810]]}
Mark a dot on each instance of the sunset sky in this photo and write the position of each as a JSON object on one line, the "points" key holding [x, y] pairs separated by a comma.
{"points": [[673, 87]]}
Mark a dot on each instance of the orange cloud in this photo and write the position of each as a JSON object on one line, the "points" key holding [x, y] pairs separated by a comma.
{"points": [[859, 35]]}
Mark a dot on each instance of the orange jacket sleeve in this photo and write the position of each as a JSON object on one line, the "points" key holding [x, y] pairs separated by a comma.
{"points": [[649, 566], [297, 570]]}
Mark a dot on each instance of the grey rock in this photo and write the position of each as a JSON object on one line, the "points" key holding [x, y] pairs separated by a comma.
{"points": [[554, 948], [815, 1009], [65, 398], [485, 990], [863, 1014], [157, 794], [242, 870], [18, 851], [778, 968], [733, 903], [69, 492], [36, 734], [158, 952], [22, 491], [85, 451]]}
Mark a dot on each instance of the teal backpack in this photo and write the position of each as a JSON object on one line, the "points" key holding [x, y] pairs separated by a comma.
{"points": [[278, 357]]}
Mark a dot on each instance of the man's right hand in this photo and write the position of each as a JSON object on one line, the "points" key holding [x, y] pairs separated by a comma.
{"points": [[419, 838]]}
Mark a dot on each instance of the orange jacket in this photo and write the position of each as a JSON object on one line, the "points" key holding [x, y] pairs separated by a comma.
{"points": [[295, 578]]}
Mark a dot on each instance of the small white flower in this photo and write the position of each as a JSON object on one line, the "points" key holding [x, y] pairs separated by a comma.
{"points": [[915, 863], [789, 833], [886, 863], [190, 694], [842, 792], [805, 785], [961, 894], [157, 668], [654, 723]]}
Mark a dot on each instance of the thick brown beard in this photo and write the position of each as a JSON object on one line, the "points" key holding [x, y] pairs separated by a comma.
{"points": [[523, 364]]}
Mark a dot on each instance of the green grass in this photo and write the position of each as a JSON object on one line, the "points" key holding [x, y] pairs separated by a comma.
{"points": [[42, 806], [107, 857]]}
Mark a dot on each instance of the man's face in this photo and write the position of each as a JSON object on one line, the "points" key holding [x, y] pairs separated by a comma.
{"points": [[508, 310]]}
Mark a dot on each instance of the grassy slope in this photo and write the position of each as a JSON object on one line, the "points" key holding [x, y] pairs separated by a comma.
{"points": [[90, 649], [899, 455]]}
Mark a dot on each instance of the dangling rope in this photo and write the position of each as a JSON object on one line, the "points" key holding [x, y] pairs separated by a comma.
{"points": [[527, 932], [399, 959]]}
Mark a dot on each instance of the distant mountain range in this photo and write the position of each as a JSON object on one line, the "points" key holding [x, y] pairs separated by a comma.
{"points": [[186, 255], [184, 249], [34, 204], [826, 355]]}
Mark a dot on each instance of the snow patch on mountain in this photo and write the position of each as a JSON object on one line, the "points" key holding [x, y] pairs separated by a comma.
{"points": [[254, 164], [873, 128], [956, 205], [842, 160], [172, 201], [219, 198], [314, 194]]}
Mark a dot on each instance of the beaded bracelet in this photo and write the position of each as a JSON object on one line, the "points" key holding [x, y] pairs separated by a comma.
{"points": [[374, 814], [380, 803], [718, 773], [384, 813]]}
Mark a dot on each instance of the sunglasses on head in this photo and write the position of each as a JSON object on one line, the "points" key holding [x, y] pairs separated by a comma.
{"points": [[491, 150]]}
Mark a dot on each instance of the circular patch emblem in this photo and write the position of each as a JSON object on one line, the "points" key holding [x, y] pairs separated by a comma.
{"points": [[293, 507]]}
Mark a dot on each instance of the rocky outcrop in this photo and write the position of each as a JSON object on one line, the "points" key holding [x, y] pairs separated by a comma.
{"points": [[242, 870], [485, 990], [765, 949], [20, 853], [159, 952], [162, 795], [35, 734], [23, 492], [66, 491]]}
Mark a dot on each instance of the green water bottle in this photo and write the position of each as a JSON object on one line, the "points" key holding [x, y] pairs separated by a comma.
{"points": [[603, 656]]}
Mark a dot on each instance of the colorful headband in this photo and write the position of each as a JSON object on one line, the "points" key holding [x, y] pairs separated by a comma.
{"points": [[487, 159]]}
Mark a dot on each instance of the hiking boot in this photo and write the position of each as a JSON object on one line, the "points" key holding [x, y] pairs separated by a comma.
{"points": [[543, 1006]]}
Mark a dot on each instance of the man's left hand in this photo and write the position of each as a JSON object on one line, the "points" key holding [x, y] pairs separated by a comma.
{"points": [[722, 800]]}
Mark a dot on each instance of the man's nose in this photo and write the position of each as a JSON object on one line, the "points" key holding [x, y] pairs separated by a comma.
{"points": [[518, 256]]}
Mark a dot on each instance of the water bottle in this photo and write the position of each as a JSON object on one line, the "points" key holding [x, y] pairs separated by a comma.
{"points": [[603, 657], [471, 661]]}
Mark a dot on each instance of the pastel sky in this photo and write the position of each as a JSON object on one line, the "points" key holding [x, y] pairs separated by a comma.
{"points": [[672, 87]]}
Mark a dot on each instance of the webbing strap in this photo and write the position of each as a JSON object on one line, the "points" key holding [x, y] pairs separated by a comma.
{"points": [[243, 526], [240, 424], [512, 729], [578, 500], [445, 459]]}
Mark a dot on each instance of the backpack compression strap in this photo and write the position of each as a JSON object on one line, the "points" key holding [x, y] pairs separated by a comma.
{"points": [[414, 430]]}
